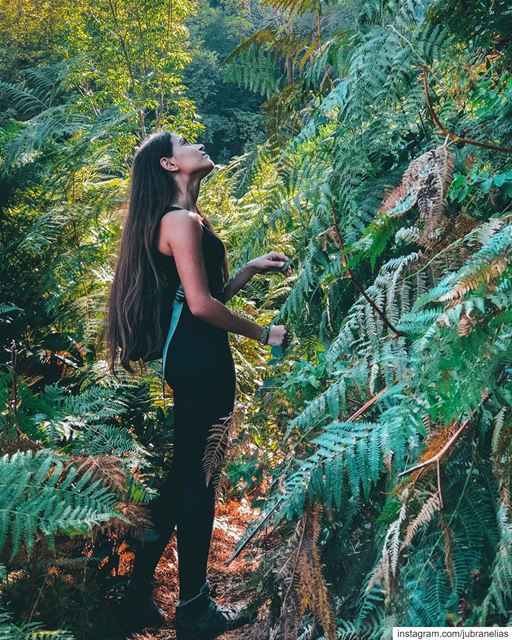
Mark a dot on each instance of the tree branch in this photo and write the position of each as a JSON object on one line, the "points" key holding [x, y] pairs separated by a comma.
{"points": [[336, 237], [445, 131], [448, 444]]}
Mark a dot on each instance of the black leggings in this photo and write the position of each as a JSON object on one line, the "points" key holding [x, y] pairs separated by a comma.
{"points": [[201, 372]]}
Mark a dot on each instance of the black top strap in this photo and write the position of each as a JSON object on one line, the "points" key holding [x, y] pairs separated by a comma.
{"points": [[170, 209]]}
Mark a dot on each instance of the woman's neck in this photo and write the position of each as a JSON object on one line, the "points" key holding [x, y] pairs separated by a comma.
{"points": [[188, 192]]}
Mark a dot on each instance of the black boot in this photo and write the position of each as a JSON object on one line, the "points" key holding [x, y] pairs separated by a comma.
{"points": [[203, 619], [140, 610]]}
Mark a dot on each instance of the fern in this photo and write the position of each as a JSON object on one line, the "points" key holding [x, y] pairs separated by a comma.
{"points": [[501, 577], [39, 497], [439, 273]]}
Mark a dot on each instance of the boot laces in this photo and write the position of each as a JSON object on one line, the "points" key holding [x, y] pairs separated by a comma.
{"points": [[228, 610], [230, 613]]}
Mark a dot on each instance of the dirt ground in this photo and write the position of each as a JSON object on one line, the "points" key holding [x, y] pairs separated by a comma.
{"points": [[231, 520]]}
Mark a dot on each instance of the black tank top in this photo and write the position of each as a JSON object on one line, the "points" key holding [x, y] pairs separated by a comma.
{"points": [[213, 256]]}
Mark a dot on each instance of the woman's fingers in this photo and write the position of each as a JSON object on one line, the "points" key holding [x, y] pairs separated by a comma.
{"points": [[276, 264], [275, 255], [275, 261]]}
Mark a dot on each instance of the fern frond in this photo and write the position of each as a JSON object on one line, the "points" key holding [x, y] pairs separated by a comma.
{"points": [[39, 496]]}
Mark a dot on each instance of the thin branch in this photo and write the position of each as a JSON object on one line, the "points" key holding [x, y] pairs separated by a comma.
{"points": [[66, 361], [368, 404], [339, 243], [438, 471], [168, 25], [355, 415], [122, 41], [14, 389], [445, 131], [448, 444], [299, 549], [237, 553]]}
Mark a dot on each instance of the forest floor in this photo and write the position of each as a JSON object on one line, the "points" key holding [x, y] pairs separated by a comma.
{"points": [[231, 520]]}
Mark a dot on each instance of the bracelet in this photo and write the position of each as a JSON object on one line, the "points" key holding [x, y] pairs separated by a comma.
{"points": [[265, 334]]}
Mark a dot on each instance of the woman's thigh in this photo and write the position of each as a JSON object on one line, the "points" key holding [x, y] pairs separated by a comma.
{"points": [[199, 403]]}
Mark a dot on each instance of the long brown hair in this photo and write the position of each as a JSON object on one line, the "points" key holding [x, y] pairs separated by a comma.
{"points": [[138, 295]]}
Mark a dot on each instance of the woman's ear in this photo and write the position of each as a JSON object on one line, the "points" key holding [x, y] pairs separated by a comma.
{"points": [[168, 164]]}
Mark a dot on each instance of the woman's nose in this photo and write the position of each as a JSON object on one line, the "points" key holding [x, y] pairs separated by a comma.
{"points": [[201, 147]]}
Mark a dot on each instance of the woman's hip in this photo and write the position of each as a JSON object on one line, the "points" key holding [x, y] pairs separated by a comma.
{"points": [[208, 370]]}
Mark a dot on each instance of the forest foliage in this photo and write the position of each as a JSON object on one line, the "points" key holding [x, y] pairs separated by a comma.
{"points": [[384, 432]]}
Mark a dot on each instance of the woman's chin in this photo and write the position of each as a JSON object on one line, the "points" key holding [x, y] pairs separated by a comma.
{"points": [[210, 164]]}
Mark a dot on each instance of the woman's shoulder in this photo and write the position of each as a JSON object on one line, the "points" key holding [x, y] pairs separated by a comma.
{"points": [[168, 220], [182, 214], [181, 218], [179, 213]]}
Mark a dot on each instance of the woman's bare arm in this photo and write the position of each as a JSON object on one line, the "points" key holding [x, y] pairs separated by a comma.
{"points": [[182, 232], [239, 280]]}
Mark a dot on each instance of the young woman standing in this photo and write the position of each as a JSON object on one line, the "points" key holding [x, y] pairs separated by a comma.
{"points": [[167, 243]]}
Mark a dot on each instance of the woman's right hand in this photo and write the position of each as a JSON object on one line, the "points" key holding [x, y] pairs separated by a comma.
{"points": [[277, 335]]}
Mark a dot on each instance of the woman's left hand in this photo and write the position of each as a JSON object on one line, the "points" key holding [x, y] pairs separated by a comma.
{"points": [[272, 261]]}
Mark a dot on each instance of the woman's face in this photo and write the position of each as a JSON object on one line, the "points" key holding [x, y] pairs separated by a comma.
{"points": [[187, 157]]}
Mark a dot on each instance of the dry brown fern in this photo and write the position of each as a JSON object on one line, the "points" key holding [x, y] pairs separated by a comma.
{"points": [[217, 444], [302, 579], [312, 585], [385, 572], [424, 516], [139, 516], [289, 617], [505, 498], [106, 468], [465, 323], [109, 471], [425, 184], [433, 445], [486, 275]]}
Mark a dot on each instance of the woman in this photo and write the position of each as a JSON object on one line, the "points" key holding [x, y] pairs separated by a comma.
{"points": [[166, 242]]}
